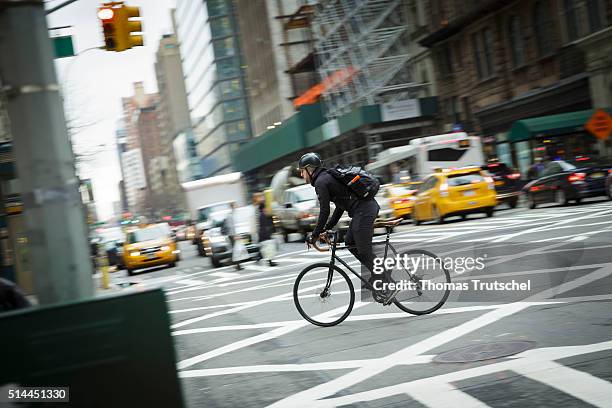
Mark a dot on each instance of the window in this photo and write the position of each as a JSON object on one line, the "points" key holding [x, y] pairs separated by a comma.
{"points": [[596, 15], [482, 44], [543, 27], [220, 27], [445, 154], [445, 60], [217, 7], [571, 19], [515, 42], [224, 48], [582, 17]]}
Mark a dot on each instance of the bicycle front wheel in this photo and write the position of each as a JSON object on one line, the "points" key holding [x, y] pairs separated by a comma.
{"points": [[323, 296], [425, 282]]}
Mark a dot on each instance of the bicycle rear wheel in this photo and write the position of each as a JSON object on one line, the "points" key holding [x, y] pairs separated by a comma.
{"points": [[424, 282], [321, 303]]}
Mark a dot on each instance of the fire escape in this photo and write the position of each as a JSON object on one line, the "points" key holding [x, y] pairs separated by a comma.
{"points": [[362, 51]]}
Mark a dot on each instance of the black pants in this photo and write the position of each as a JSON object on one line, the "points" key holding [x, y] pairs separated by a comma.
{"points": [[359, 235]]}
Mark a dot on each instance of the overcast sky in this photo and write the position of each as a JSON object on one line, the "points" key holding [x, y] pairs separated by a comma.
{"points": [[95, 81]]}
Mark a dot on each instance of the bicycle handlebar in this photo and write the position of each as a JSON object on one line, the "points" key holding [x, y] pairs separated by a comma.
{"points": [[325, 239]]}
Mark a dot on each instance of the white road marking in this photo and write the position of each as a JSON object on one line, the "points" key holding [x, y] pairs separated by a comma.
{"points": [[578, 384], [541, 228], [189, 282], [444, 395], [528, 360], [275, 368], [256, 339], [225, 274], [314, 395]]}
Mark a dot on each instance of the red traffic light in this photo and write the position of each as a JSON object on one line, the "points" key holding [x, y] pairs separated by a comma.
{"points": [[106, 14]]}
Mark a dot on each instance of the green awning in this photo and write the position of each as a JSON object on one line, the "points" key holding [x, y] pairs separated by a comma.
{"points": [[552, 125]]}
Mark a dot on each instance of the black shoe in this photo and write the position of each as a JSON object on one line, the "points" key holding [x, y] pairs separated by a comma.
{"points": [[238, 267], [272, 263]]}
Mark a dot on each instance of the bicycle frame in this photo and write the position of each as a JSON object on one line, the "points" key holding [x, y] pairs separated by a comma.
{"points": [[334, 257]]}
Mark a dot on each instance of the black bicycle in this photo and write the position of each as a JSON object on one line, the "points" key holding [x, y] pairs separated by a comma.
{"points": [[415, 280]]}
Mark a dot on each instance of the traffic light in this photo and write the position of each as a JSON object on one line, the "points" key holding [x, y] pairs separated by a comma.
{"points": [[119, 27], [127, 39], [108, 16]]}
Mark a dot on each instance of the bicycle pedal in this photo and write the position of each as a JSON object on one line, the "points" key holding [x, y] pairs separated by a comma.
{"points": [[391, 297]]}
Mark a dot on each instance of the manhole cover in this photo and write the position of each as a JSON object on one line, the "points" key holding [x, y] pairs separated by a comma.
{"points": [[485, 351]]}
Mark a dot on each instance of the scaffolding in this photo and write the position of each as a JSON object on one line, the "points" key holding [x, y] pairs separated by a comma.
{"points": [[362, 50]]}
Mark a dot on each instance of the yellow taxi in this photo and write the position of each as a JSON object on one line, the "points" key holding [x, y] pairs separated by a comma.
{"points": [[399, 196], [454, 192], [149, 246]]}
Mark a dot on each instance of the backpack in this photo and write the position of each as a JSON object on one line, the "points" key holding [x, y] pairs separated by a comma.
{"points": [[359, 181]]}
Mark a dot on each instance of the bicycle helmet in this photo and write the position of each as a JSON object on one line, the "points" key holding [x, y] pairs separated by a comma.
{"points": [[310, 160]]}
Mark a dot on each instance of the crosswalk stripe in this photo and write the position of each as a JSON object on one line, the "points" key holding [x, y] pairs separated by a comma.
{"points": [[189, 282], [443, 395], [578, 384], [225, 274]]}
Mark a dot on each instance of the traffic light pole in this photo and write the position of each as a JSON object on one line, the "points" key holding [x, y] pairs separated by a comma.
{"points": [[55, 222]]}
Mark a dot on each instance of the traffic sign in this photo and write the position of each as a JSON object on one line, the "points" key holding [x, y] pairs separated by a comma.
{"points": [[63, 46], [600, 124]]}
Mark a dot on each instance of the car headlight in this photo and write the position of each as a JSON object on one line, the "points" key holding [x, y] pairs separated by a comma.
{"points": [[135, 253], [217, 239], [165, 248]]}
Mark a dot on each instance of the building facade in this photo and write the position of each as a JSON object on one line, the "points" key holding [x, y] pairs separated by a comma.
{"points": [[173, 116], [208, 32], [269, 87], [137, 187], [498, 62]]}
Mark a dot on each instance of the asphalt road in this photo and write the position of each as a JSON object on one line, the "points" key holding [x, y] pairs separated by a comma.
{"points": [[241, 342]]}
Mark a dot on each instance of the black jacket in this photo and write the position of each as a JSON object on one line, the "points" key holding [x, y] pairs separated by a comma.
{"points": [[329, 189], [265, 224]]}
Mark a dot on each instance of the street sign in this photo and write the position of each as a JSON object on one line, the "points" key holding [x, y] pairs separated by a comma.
{"points": [[600, 124], [63, 46]]}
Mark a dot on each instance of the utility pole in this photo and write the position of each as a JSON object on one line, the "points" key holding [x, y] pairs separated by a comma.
{"points": [[54, 218]]}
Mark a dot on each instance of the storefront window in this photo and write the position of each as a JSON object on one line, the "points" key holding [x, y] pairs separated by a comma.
{"points": [[503, 154]]}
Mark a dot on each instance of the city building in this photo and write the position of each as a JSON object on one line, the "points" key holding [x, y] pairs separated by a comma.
{"points": [[212, 58], [121, 143], [504, 67], [155, 163], [187, 162], [137, 192], [374, 88], [265, 54], [173, 118]]}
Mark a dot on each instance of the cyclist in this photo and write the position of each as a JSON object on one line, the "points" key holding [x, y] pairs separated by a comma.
{"points": [[362, 211]]}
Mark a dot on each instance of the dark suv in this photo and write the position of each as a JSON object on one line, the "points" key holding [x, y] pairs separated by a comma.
{"points": [[508, 183]]}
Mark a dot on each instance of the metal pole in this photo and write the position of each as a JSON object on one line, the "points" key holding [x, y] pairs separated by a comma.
{"points": [[54, 217], [59, 6]]}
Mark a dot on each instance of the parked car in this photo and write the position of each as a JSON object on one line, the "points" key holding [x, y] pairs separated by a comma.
{"points": [[298, 211], [454, 193], [609, 184], [563, 181], [215, 242], [508, 185], [149, 246]]}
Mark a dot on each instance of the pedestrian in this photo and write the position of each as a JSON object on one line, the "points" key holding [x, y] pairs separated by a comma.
{"points": [[265, 227], [11, 297], [239, 251]]}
